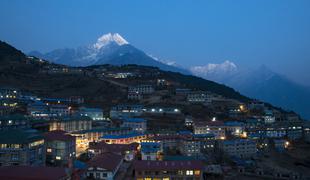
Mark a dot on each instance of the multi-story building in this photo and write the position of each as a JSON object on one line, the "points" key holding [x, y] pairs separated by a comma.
{"points": [[216, 128], [121, 111], [124, 139], [14, 121], [104, 166], [182, 91], [21, 147], [129, 151], [134, 96], [71, 124], [275, 132], [294, 131], [207, 142], [161, 110], [234, 128], [168, 170], [151, 151], [241, 148], [9, 93], [94, 113], [189, 122], [269, 117], [136, 124], [197, 97], [142, 89], [84, 137], [191, 147], [60, 109], [169, 142], [60, 148]]}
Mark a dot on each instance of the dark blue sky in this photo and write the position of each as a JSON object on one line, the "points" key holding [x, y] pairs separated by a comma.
{"points": [[247, 32]]}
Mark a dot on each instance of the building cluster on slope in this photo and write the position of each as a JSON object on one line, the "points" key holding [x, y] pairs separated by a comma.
{"points": [[69, 139]]}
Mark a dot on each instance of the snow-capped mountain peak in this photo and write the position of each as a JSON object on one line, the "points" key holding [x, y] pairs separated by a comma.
{"points": [[225, 67], [110, 38]]}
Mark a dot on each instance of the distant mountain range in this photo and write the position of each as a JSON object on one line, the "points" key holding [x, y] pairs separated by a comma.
{"points": [[109, 49], [260, 83]]}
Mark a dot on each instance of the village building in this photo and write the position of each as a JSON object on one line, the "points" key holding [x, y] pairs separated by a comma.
{"points": [[104, 166], [70, 124], [241, 148], [136, 124], [128, 151], [216, 128], [151, 150], [123, 139], [168, 170], [60, 148], [21, 147], [96, 114]]}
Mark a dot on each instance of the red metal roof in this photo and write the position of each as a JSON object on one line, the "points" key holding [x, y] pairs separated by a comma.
{"points": [[32, 173], [58, 135], [109, 161], [168, 165]]}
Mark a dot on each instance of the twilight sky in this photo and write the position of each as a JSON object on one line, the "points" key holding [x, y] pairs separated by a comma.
{"points": [[247, 32]]}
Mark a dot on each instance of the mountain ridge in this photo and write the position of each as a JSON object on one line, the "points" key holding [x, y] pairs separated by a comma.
{"points": [[108, 49]]}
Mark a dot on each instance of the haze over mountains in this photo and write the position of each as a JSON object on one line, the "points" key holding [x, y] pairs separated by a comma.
{"points": [[260, 83]]}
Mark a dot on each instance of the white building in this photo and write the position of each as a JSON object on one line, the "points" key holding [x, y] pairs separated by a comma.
{"points": [[142, 89], [241, 148], [136, 124], [93, 113], [269, 117], [197, 97], [216, 128], [104, 166]]}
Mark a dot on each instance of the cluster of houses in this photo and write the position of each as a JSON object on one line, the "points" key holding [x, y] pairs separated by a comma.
{"points": [[70, 140]]}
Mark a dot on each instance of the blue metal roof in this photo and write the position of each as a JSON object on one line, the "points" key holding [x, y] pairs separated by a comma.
{"points": [[111, 136], [233, 123], [134, 120]]}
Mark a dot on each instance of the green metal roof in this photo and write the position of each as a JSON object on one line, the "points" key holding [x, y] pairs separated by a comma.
{"points": [[18, 136]]}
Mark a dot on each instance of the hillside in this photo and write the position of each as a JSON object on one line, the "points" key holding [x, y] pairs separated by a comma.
{"points": [[18, 70]]}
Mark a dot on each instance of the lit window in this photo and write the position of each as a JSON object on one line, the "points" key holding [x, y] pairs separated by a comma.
{"points": [[197, 173], [58, 157], [189, 172], [49, 150], [166, 178]]}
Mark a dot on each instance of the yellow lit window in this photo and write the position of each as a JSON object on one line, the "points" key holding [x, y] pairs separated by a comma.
{"points": [[58, 157], [197, 173], [148, 178], [49, 150], [166, 178]]}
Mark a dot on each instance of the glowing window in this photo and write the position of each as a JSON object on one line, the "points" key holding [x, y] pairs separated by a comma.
{"points": [[189, 172], [197, 173]]}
